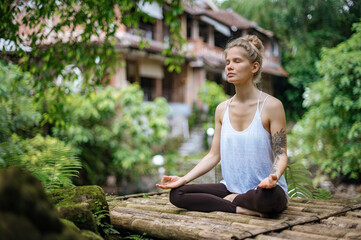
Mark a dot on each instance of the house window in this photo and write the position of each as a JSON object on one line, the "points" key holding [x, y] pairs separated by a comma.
{"points": [[145, 30], [220, 40], [148, 87], [203, 31], [275, 49], [189, 27]]}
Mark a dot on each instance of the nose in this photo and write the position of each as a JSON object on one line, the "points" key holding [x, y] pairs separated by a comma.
{"points": [[229, 66]]}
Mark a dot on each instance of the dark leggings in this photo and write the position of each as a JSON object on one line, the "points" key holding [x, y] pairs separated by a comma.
{"points": [[209, 197]]}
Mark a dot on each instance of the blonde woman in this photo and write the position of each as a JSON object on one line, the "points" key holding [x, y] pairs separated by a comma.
{"points": [[250, 142]]}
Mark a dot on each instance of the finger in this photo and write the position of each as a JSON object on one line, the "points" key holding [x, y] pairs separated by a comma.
{"points": [[164, 178], [262, 184], [162, 186]]}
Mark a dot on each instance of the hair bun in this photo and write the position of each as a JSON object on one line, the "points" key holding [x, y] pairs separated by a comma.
{"points": [[255, 41]]}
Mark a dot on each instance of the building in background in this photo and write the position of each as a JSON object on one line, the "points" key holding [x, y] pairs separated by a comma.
{"points": [[207, 29]]}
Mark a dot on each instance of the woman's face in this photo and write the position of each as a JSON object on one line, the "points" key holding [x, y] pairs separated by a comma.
{"points": [[238, 68]]}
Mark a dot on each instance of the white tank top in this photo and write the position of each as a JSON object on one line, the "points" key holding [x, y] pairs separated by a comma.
{"points": [[246, 156]]}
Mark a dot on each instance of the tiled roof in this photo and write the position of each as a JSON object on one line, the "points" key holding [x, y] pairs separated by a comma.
{"points": [[230, 18], [153, 214]]}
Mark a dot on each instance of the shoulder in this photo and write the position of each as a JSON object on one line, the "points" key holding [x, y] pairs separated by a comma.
{"points": [[272, 103], [221, 108], [273, 107]]}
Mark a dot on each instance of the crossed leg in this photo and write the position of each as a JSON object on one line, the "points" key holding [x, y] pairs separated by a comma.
{"points": [[216, 197]]}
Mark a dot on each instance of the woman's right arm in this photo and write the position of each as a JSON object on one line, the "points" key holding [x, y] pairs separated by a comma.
{"points": [[206, 164]]}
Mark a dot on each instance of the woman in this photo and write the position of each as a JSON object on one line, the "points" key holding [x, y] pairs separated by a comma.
{"points": [[250, 142]]}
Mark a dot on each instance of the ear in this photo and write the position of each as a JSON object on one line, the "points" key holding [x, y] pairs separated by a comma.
{"points": [[255, 67]]}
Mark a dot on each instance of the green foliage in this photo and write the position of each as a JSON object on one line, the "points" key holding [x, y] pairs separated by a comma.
{"points": [[321, 193], [18, 112], [113, 130], [138, 237], [299, 181], [212, 95], [330, 132], [100, 220], [49, 159], [70, 35]]}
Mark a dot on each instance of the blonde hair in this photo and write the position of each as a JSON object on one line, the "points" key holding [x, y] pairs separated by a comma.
{"points": [[254, 48]]}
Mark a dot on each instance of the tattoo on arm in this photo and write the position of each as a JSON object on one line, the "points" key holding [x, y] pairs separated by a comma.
{"points": [[278, 142]]}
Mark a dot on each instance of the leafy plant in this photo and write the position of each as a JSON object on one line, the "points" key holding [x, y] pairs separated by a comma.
{"points": [[329, 133], [104, 225], [138, 237], [49, 159], [299, 181], [211, 95], [113, 130], [321, 193], [18, 113]]}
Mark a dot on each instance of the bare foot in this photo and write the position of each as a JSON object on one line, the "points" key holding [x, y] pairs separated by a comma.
{"points": [[231, 197], [245, 211]]}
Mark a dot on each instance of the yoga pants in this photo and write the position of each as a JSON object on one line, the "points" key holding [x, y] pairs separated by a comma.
{"points": [[209, 197]]}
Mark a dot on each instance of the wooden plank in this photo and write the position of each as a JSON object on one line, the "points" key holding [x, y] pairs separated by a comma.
{"points": [[356, 214], [156, 216], [306, 235], [321, 229]]}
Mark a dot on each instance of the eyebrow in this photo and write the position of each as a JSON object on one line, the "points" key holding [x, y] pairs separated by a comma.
{"points": [[228, 59]]}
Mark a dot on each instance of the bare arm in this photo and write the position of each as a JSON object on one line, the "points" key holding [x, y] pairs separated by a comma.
{"points": [[277, 118], [207, 163]]}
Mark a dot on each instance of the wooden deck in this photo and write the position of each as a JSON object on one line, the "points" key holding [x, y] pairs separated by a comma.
{"points": [[152, 213]]}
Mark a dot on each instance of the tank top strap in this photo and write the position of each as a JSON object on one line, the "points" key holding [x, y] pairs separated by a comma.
{"points": [[259, 98], [264, 101], [229, 102]]}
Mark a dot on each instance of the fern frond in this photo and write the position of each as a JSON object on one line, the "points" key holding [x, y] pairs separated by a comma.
{"points": [[299, 181], [321, 193]]}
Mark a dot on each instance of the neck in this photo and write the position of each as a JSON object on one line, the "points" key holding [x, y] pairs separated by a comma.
{"points": [[246, 92]]}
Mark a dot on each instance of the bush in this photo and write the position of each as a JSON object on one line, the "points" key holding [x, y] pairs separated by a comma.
{"points": [[49, 159], [113, 130], [18, 112], [329, 134]]}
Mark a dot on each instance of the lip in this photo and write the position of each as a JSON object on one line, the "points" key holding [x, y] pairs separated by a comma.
{"points": [[230, 74]]}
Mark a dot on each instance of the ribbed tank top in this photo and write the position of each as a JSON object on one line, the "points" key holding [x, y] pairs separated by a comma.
{"points": [[246, 156]]}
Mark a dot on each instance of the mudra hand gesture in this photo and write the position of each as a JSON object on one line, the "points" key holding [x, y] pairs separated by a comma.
{"points": [[168, 182], [269, 182]]}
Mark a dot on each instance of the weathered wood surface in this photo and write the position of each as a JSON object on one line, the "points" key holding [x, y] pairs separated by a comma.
{"points": [[303, 219]]}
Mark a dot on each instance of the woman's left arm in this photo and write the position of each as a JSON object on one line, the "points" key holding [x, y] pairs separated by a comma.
{"points": [[277, 119]]}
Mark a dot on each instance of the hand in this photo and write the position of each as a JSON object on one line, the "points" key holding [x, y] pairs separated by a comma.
{"points": [[269, 182], [168, 182]]}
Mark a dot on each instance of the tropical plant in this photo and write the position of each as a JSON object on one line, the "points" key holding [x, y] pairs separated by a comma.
{"points": [[299, 181], [49, 159], [329, 133], [113, 130], [18, 113], [106, 227], [300, 185]]}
